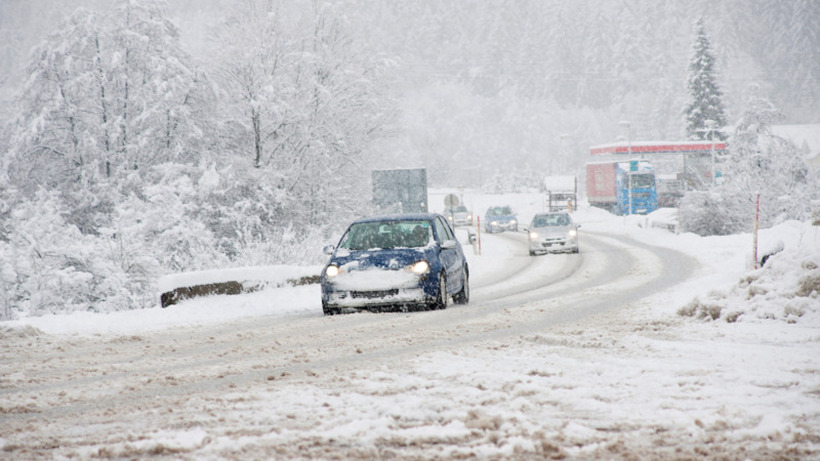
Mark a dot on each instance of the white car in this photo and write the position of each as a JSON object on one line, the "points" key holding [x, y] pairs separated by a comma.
{"points": [[553, 233], [459, 216]]}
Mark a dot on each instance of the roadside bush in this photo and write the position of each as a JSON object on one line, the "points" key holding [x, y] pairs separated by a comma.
{"points": [[716, 212], [701, 310]]}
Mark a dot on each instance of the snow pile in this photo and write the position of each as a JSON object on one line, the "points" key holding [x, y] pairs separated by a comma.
{"points": [[785, 288]]}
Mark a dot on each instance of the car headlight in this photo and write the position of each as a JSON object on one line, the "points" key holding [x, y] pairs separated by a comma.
{"points": [[533, 235], [420, 267], [572, 233], [493, 223], [512, 222], [332, 271]]}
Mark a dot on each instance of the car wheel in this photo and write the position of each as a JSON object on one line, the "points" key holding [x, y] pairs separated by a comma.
{"points": [[576, 250], [330, 310], [443, 298], [463, 296], [532, 253]]}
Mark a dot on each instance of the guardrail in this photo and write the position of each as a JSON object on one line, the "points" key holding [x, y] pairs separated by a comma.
{"points": [[170, 296]]}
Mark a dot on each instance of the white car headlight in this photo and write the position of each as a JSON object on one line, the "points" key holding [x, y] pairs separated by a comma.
{"points": [[332, 271], [533, 235], [421, 267], [572, 233], [512, 222]]}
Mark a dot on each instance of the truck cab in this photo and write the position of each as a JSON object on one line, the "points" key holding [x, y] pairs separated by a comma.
{"points": [[639, 178]]}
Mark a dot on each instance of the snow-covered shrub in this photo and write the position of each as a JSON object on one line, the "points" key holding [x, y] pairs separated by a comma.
{"points": [[47, 262], [787, 288], [163, 222], [716, 212], [701, 310]]}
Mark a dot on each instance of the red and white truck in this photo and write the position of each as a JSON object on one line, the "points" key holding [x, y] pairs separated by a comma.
{"points": [[665, 169], [622, 187]]}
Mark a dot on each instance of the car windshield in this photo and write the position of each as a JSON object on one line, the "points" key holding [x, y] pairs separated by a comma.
{"points": [[386, 235], [545, 220], [500, 211]]}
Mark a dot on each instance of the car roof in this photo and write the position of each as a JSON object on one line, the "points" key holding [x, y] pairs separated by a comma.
{"points": [[398, 217]]}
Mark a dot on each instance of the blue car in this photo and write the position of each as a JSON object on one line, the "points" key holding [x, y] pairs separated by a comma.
{"points": [[499, 219], [398, 262]]}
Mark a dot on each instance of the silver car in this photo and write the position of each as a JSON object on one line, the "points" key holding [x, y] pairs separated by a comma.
{"points": [[552, 233], [459, 216]]}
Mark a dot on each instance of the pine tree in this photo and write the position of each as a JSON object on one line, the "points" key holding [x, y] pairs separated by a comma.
{"points": [[704, 113]]}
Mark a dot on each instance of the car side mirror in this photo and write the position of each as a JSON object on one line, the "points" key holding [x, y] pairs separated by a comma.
{"points": [[328, 250], [577, 225], [448, 244], [525, 229]]}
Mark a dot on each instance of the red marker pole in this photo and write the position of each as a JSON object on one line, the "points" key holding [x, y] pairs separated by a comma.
{"points": [[757, 224]]}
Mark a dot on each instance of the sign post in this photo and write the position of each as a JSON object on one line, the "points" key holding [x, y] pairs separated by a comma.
{"points": [[450, 202]]}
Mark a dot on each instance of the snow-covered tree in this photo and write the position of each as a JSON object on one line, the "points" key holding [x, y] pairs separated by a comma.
{"points": [[302, 101], [107, 93], [761, 162], [704, 112]]}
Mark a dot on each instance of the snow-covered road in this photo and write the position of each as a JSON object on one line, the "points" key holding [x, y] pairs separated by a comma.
{"points": [[555, 356]]}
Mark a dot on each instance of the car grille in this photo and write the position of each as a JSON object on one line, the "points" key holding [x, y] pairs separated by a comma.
{"points": [[373, 294]]}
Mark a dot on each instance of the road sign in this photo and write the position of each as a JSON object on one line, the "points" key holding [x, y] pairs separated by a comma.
{"points": [[451, 200]]}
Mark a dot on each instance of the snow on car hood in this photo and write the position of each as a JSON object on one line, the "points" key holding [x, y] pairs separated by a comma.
{"points": [[378, 269], [375, 279]]}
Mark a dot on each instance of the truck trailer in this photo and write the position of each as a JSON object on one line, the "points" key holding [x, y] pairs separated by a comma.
{"points": [[402, 190], [562, 192], [622, 187]]}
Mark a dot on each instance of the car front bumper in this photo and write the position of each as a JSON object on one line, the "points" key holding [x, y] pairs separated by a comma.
{"points": [[502, 226], [397, 297], [393, 290], [553, 245]]}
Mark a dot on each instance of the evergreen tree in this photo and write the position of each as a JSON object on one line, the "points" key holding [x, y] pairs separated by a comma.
{"points": [[704, 113]]}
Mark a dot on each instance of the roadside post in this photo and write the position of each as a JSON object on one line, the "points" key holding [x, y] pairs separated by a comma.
{"points": [[478, 233], [757, 226]]}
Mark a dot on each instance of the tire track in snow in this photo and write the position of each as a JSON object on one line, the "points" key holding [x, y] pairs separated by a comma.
{"points": [[146, 370]]}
